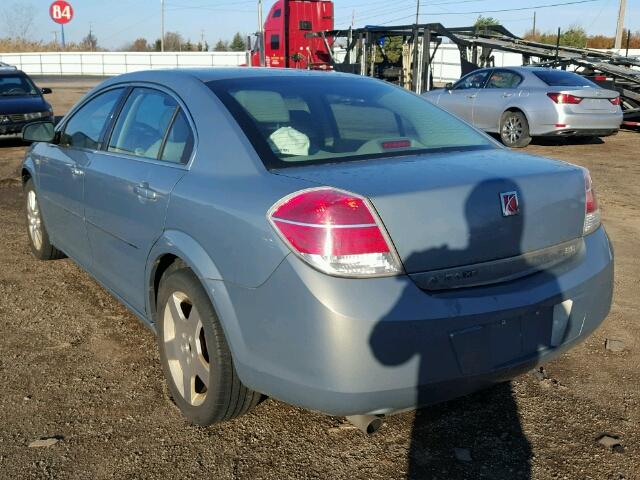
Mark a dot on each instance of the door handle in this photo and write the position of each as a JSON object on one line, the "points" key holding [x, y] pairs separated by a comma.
{"points": [[143, 191], [75, 171], [505, 95], [472, 96]]}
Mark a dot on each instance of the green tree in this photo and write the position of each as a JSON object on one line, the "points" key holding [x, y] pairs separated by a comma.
{"points": [[221, 46], [575, 36], [482, 21], [238, 44]]}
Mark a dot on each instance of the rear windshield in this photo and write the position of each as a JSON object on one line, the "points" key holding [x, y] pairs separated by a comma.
{"points": [[334, 118], [559, 78]]}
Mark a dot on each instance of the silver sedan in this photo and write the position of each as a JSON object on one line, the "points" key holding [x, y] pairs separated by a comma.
{"points": [[524, 102]]}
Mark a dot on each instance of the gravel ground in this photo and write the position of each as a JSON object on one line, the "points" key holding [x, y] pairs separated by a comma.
{"points": [[81, 373]]}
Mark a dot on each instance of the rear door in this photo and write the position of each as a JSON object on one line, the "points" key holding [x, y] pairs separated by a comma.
{"points": [[497, 95], [61, 173], [460, 99], [128, 187]]}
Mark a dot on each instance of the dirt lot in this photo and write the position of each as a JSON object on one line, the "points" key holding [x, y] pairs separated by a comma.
{"points": [[75, 366]]}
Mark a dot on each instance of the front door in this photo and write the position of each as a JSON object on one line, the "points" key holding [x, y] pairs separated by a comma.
{"points": [[61, 170], [499, 93], [461, 98], [128, 188]]}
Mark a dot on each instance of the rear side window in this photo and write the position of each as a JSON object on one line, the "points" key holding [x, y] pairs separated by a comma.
{"points": [[291, 120], [86, 126], [142, 124], [179, 142], [560, 78], [503, 79]]}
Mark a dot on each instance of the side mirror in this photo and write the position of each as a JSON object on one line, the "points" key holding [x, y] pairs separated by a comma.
{"points": [[46, 91], [38, 132], [449, 86]]}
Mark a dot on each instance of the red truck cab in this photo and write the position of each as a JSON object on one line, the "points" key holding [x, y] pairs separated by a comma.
{"points": [[285, 35]]}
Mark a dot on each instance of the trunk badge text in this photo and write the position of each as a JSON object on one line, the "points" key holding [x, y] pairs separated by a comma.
{"points": [[510, 203]]}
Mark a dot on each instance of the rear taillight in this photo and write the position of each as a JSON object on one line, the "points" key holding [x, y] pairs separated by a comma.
{"points": [[592, 212], [564, 98], [615, 101], [336, 232]]}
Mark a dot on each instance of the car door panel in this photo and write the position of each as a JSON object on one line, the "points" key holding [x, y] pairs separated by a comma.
{"points": [[61, 185], [128, 189], [499, 93], [61, 170], [461, 98], [126, 201]]}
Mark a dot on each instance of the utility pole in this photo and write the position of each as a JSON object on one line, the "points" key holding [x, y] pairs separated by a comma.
{"points": [[162, 25], [90, 37], [202, 40], [620, 26], [417, 12], [55, 36], [533, 32]]}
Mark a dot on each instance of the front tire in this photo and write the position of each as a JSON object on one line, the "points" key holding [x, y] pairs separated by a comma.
{"points": [[514, 129], [195, 357], [39, 241]]}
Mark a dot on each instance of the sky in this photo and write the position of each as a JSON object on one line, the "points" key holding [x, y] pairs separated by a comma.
{"points": [[116, 22]]}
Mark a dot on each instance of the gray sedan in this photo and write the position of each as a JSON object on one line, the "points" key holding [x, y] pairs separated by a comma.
{"points": [[523, 102], [329, 240]]}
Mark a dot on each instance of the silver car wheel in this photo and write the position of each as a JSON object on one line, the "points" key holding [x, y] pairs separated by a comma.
{"points": [[512, 129], [186, 348], [34, 220]]}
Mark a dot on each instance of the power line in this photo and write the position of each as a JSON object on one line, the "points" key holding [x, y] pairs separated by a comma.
{"points": [[517, 9]]}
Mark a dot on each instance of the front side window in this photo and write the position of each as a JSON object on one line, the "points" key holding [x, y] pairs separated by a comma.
{"points": [[16, 85], [503, 79], [277, 13], [473, 80], [87, 125], [327, 119], [142, 124]]}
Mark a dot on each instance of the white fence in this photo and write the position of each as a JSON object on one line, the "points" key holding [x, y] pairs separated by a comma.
{"points": [[446, 66], [115, 63]]}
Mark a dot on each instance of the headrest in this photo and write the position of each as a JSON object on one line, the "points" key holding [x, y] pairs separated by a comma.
{"points": [[263, 106]]}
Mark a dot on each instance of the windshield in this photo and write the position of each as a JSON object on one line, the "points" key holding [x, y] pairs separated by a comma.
{"points": [[335, 118], [559, 78], [16, 85]]}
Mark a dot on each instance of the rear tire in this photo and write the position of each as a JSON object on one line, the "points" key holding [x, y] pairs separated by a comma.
{"points": [[39, 241], [194, 354], [514, 129]]}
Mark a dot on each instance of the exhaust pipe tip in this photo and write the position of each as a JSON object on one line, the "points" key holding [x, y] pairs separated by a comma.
{"points": [[368, 424]]}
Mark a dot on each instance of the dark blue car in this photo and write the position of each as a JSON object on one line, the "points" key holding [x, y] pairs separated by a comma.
{"points": [[21, 102], [330, 240]]}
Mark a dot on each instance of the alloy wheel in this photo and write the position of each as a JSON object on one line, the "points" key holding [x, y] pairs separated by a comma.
{"points": [[186, 348], [34, 220], [512, 129]]}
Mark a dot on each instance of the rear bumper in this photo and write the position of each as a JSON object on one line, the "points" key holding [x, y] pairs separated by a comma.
{"points": [[595, 124], [343, 346]]}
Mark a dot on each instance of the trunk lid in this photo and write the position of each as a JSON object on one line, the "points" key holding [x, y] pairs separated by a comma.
{"points": [[593, 99], [444, 210]]}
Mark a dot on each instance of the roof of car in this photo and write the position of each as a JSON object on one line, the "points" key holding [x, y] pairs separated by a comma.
{"points": [[218, 73]]}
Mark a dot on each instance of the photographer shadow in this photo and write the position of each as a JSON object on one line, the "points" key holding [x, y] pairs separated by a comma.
{"points": [[479, 435]]}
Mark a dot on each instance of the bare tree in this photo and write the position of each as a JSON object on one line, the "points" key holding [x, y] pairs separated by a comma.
{"points": [[17, 20]]}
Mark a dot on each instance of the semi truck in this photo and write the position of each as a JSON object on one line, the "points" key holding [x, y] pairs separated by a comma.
{"points": [[286, 41]]}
